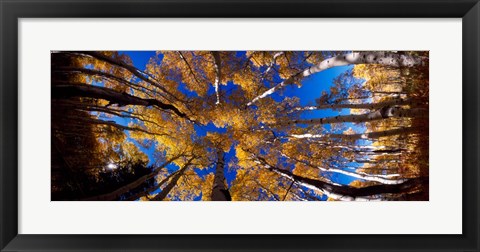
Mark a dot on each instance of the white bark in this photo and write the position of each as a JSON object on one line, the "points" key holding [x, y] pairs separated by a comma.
{"points": [[368, 135], [384, 179], [270, 91], [344, 192], [380, 114], [324, 191], [298, 198], [274, 59], [371, 106], [300, 136], [382, 58], [218, 74]]}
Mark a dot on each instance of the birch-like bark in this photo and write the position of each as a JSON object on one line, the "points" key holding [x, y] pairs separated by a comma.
{"points": [[380, 114], [367, 150], [218, 74], [348, 193], [270, 67], [370, 106], [368, 135], [382, 58], [126, 188], [219, 191], [381, 178], [374, 152]]}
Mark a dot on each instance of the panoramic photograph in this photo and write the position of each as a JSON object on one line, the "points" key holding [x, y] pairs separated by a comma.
{"points": [[240, 126]]}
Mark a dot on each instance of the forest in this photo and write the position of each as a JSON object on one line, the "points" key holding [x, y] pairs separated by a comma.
{"points": [[239, 125]]}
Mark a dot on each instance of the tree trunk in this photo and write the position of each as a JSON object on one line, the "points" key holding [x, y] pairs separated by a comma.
{"points": [[103, 75], [381, 58], [116, 125], [218, 74], [270, 67], [151, 189], [349, 193], [219, 191], [371, 106], [130, 68], [126, 188], [165, 191], [388, 179], [385, 112], [63, 91], [369, 135]]}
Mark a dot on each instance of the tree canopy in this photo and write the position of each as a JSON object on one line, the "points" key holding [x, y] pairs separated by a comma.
{"points": [[240, 125]]}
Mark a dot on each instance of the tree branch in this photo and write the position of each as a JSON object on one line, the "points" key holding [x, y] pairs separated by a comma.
{"points": [[68, 90], [385, 112], [382, 58], [368, 135], [126, 188], [349, 193], [138, 73], [189, 67]]}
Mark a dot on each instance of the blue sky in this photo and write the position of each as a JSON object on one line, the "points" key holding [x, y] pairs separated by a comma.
{"points": [[139, 58], [311, 89]]}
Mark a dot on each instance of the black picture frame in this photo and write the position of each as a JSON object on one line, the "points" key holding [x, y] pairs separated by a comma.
{"points": [[11, 11]]}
